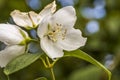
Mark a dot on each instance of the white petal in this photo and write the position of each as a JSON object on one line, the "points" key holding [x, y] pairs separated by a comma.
{"points": [[51, 49], [65, 16], [48, 10], [10, 34], [21, 18], [43, 27], [35, 18], [73, 40], [10, 53]]}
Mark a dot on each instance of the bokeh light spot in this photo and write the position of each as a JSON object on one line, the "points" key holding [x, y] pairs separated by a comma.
{"points": [[66, 2], [92, 27], [34, 4]]}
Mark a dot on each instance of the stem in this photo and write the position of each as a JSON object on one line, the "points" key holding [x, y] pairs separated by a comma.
{"points": [[48, 62], [44, 62], [8, 77], [33, 40], [52, 73], [54, 62], [50, 66]]}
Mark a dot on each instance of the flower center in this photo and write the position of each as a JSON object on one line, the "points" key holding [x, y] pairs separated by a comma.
{"points": [[2, 46], [55, 33]]}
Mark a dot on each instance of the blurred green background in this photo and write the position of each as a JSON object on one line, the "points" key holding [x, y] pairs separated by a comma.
{"points": [[99, 20]]}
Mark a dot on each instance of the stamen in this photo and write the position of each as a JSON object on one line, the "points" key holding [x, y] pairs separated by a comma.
{"points": [[56, 32], [64, 34]]}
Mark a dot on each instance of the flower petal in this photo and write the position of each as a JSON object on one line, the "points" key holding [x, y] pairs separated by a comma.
{"points": [[65, 16], [43, 27], [51, 49], [48, 10], [73, 40], [35, 18], [21, 18], [10, 34], [10, 53]]}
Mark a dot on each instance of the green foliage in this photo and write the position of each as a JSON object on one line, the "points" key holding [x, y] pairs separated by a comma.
{"points": [[21, 62], [2, 75], [41, 78], [82, 55], [89, 71]]}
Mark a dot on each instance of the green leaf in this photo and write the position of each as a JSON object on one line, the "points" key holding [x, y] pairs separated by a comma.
{"points": [[82, 55], [21, 62], [2, 75], [88, 71], [41, 78]]}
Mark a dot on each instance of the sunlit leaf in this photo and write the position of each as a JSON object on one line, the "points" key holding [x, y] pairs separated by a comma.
{"points": [[21, 62], [82, 55]]}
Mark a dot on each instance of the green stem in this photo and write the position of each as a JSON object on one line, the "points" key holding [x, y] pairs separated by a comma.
{"points": [[50, 66], [46, 66], [52, 73], [33, 40], [48, 62], [54, 62], [8, 77]]}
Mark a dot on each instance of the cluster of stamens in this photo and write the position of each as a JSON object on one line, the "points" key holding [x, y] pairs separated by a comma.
{"points": [[57, 32]]}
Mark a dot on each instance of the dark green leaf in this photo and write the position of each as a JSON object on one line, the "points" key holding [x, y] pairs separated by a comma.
{"points": [[21, 62], [82, 55]]}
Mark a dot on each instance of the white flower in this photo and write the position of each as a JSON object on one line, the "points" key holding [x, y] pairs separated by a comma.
{"points": [[28, 20], [48, 10], [13, 37], [57, 33], [31, 19]]}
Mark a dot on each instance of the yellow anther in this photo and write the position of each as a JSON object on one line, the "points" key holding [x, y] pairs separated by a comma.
{"points": [[56, 32]]}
